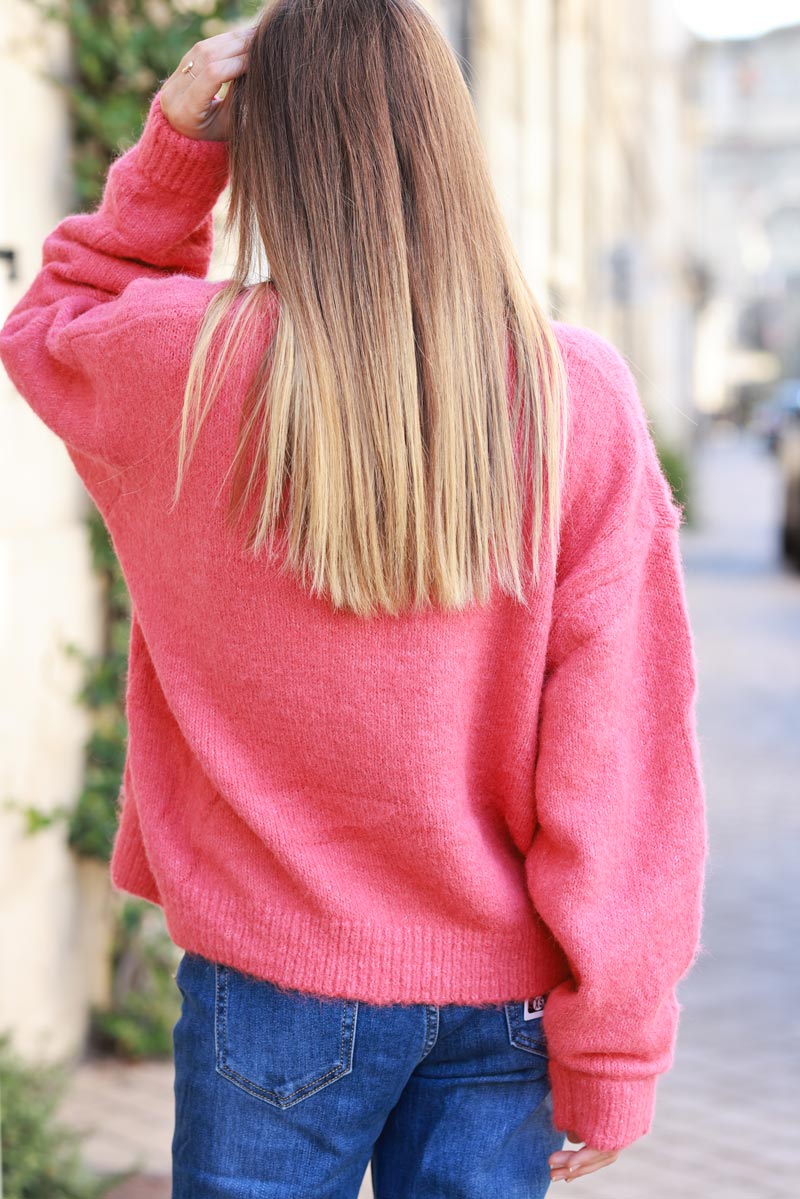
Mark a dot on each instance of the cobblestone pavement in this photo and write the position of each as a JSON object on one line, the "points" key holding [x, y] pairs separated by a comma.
{"points": [[726, 1114]]}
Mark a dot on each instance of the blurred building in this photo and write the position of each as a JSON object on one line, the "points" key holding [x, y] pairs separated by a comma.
{"points": [[590, 141], [581, 109], [746, 99]]}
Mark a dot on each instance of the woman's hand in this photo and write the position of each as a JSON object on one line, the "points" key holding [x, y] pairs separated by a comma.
{"points": [[573, 1163], [189, 101]]}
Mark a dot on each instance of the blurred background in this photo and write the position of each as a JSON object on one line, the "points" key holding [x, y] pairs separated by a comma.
{"points": [[647, 156]]}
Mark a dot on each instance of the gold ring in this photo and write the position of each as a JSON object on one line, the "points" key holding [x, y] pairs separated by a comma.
{"points": [[188, 68]]}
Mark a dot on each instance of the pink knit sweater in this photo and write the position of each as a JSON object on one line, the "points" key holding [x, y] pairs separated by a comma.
{"points": [[444, 808]]}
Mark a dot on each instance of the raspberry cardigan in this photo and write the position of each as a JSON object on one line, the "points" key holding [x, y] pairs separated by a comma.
{"points": [[460, 808]]}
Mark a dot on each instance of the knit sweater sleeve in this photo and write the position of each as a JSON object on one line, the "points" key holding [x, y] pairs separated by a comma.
{"points": [[616, 866], [105, 269]]}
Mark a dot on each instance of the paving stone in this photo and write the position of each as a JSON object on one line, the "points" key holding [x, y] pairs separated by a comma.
{"points": [[144, 1186]]}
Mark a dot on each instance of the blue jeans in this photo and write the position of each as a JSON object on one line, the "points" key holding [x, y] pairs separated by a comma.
{"points": [[283, 1094]]}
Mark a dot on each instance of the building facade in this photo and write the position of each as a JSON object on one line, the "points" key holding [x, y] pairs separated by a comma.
{"points": [[746, 99]]}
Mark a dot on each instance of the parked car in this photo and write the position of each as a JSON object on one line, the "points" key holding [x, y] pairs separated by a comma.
{"points": [[789, 458], [770, 416]]}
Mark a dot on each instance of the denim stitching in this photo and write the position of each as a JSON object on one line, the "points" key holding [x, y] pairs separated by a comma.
{"points": [[520, 1038], [431, 1026], [349, 1015]]}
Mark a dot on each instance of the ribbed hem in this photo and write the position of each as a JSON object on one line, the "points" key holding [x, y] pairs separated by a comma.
{"points": [[606, 1113], [196, 168], [379, 964]]}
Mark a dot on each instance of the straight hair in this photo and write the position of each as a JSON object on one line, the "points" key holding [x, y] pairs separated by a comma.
{"points": [[410, 406]]}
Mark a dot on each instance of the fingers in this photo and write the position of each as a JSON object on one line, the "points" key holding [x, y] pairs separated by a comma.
{"points": [[576, 1163], [189, 97], [563, 1157], [209, 76], [221, 47]]}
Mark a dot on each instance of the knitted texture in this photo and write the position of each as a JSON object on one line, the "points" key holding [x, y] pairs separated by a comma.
{"points": [[467, 808]]}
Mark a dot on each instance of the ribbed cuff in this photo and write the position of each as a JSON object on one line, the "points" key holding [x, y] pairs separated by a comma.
{"points": [[606, 1113], [181, 164]]}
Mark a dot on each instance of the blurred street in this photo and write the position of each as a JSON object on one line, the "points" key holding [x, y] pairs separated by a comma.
{"points": [[725, 1124]]}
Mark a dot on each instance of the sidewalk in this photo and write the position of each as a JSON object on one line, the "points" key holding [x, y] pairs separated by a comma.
{"points": [[726, 1114], [127, 1111]]}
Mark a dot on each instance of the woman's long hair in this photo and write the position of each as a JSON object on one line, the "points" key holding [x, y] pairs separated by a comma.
{"points": [[410, 361]]}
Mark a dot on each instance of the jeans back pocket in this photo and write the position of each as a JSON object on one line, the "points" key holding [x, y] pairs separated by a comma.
{"points": [[526, 1025], [280, 1046]]}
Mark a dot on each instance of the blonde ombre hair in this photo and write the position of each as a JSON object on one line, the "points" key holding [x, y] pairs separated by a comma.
{"points": [[413, 394]]}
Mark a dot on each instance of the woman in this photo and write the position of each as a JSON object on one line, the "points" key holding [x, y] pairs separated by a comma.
{"points": [[416, 783]]}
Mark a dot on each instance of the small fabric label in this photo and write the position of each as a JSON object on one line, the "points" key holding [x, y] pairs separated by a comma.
{"points": [[533, 1009]]}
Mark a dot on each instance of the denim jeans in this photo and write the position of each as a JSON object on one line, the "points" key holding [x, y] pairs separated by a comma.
{"points": [[283, 1094]]}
